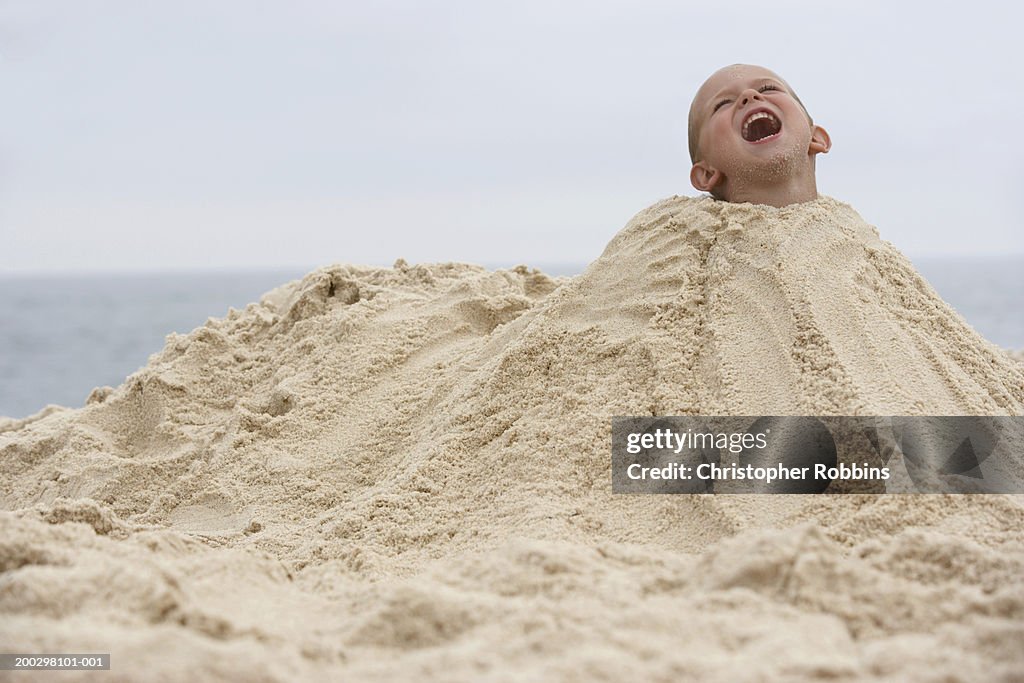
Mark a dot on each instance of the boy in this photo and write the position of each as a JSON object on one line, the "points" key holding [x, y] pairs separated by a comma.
{"points": [[752, 140]]}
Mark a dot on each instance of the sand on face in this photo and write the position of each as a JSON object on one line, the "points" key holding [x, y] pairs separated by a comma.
{"points": [[404, 473]]}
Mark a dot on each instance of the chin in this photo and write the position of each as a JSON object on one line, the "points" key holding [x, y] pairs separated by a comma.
{"points": [[783, 147], [771, 166]]}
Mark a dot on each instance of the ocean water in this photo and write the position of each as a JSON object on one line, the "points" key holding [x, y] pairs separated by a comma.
{"points": [[62, 335]]}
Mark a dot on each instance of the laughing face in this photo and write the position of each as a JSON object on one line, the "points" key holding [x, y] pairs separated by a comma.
{"points": [[748, 130]]}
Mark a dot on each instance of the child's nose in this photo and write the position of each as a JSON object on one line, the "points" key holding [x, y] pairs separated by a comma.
{"points": [[750, 95]]}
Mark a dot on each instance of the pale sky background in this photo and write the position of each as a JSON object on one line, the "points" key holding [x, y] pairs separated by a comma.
{"points": [[163, 135]]}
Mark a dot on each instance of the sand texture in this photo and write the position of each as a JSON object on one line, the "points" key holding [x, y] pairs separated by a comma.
{"points": [[404, 474]]}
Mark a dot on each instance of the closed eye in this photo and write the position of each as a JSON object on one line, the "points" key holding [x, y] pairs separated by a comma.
{"points": [[720, 105], [767, 86]]}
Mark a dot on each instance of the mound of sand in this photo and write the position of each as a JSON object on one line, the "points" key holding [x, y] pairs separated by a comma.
{"points": [[404, 474]]}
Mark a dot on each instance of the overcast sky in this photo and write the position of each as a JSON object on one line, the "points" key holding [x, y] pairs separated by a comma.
{"points": [[157, 135]]}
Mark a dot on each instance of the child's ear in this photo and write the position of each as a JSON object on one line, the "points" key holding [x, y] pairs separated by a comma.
{"points": [[703, 177], [821, 143]]}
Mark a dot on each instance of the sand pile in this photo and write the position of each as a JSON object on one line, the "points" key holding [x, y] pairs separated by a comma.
{"points": [[404, 474]]}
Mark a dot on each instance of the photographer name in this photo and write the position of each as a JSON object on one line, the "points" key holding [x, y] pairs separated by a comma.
{"points": [[734, 471]]}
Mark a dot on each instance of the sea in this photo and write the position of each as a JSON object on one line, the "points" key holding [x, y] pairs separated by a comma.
{"points": [[63, 335]]}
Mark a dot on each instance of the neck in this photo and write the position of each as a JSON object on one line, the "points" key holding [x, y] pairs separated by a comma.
{"points": [[792, 189]]}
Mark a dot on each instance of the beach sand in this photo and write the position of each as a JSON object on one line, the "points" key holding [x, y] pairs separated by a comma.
{"points": [[403, 474]]}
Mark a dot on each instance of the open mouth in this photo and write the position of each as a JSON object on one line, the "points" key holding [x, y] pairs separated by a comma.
{"points": [[760, 125]]}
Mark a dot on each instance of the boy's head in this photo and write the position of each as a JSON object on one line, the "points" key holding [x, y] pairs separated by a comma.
{"points": [[751, 139]]}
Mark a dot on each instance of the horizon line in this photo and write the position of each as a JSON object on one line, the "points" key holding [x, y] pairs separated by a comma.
{"points": [[307, 268]]}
